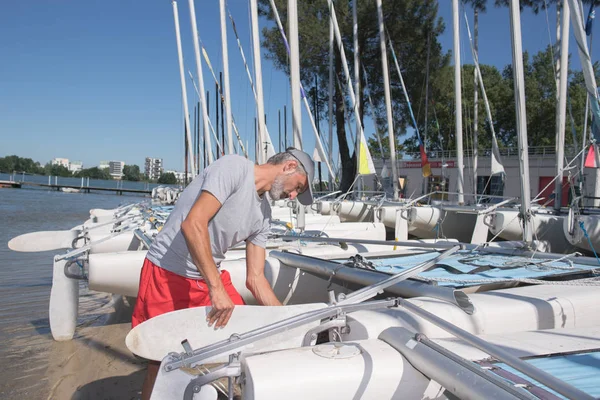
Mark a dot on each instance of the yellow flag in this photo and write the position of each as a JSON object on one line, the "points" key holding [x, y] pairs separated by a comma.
{"points": [[365, 162], [426, 170]]}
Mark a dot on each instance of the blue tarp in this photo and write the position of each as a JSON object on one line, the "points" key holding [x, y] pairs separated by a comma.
{"points": [[469, 266], [579, 370]]}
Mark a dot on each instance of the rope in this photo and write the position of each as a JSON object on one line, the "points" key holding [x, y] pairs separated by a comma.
{"points": [[581, 225], [577, 282]]}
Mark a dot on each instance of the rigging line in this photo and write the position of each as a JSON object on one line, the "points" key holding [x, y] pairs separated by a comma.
{"points": [[268, 138], [319, 143], [377, 130], [209, 122], [346, 113], [403, 86], [466, 111], [234, 125]]}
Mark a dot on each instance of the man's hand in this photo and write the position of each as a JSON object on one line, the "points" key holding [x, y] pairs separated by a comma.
{"points": [[222, 307]]}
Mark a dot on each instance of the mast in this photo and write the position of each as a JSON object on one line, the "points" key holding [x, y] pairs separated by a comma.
{"points": [[186, 115], [475, 104], [200, 77], [388, 101], [519, 88], [260, 108], [458, 111], [356, 88], [426, 92], [226, 73], [330, 90], [295, 72], [562, 106]]}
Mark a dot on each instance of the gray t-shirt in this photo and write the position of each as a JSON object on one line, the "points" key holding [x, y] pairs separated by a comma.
{"points": [[243, 216]]}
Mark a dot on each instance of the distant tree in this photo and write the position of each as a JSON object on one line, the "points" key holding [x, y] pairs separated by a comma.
{"points": [[94, 173], [132, 173], [57, 170], [168, 178], [15, 163], [409, 22]]}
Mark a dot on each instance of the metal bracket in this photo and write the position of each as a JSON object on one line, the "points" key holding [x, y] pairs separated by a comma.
{"points": [[313, 333], [231, 370]]}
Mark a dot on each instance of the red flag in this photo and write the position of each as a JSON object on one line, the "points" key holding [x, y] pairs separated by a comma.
{"points": [[424, 162], [590, 159]]}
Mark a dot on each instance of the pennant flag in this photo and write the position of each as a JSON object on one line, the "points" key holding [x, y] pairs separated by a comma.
{"points": [[591, 161], [385, 173], [590, 19], [365, 162]]}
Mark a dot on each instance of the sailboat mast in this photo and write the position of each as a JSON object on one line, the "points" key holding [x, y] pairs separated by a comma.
{"points": [[427, 93], [260, 108], [562, 105], [388, 100], [458, 111], [200, 78], [186, 113], [226, 73], [475, 104], [330, 90], [295, 72], [521, 114], [356, 86]]}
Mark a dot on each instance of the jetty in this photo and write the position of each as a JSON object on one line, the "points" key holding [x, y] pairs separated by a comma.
{"points": [[10, 184], [81, 188]]}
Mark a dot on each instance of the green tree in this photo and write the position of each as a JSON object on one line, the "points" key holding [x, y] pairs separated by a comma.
{"points": [[12, 163], [94, 173], [57, 170], [168, 178], [131, 173], [409, 23]]}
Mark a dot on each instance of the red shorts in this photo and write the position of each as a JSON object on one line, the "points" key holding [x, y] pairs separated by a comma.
{"points": [[162, 291]]}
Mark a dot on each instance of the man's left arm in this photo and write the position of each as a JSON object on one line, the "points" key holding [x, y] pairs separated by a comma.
{"points": [[256, 281]]}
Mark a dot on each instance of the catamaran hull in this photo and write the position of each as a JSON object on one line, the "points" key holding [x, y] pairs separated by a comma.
{"points": [[546, 228], [354, 211], [574, 232]]}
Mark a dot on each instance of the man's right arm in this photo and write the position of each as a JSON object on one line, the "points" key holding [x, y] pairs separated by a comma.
{"points": [[195, 231]]}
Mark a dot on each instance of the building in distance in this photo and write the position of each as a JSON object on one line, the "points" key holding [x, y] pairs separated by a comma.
{"points": [[153, 168], [104, 165], [115, 169], [61, 161], [180, 175], [75, 166]]}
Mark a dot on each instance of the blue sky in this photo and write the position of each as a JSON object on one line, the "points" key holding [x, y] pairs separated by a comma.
{"points": [[99, 80]]}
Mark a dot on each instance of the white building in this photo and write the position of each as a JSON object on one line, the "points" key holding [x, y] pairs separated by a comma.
{"points": [[180, 175], [153, 167], [542, 170], [104, 165], [75, 166], [115, 168], [61, 161]]}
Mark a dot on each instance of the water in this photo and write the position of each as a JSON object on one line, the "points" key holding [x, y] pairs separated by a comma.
{"points": [[25, 282]]}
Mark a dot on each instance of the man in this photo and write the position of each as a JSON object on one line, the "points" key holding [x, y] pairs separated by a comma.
{"points": [[223, 206]]}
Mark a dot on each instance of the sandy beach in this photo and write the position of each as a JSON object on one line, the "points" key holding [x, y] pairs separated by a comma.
{"points": [[96, 364]]}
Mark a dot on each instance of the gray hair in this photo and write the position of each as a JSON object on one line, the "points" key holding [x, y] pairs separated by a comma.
{"points": [[283, 157]]}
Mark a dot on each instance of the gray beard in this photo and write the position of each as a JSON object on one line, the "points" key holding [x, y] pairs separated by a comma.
{"points": [[276, 191]]}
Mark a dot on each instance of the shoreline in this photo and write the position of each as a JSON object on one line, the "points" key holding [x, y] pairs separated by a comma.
{"points": [[96, 364]]}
